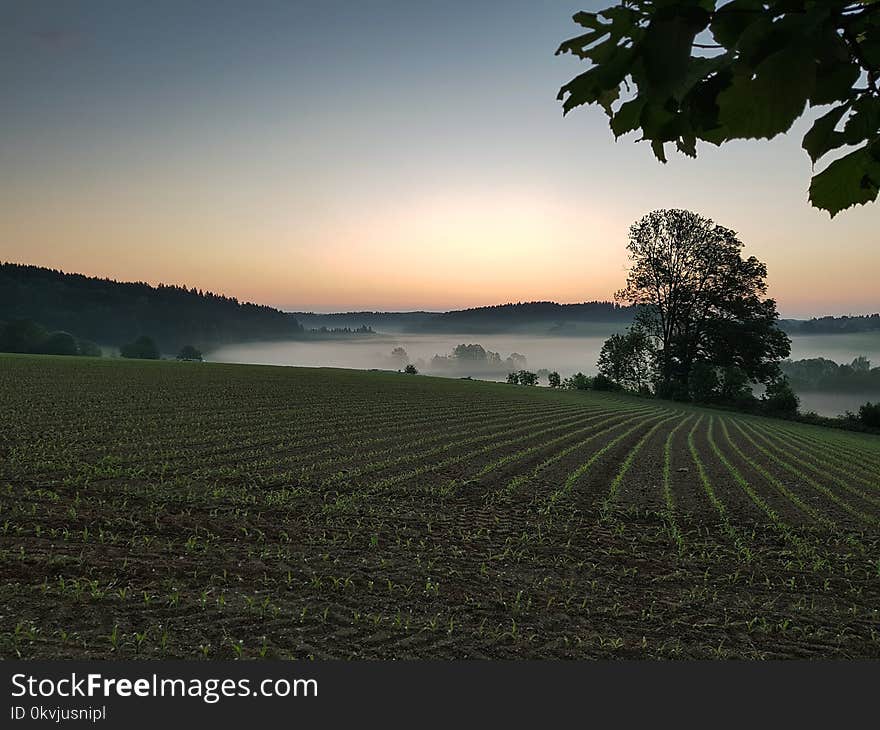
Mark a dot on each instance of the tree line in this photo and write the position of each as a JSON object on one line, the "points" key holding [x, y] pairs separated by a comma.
{"points": [[110, 312]]}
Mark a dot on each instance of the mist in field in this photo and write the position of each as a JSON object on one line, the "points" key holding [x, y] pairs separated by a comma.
{"points": [[567, 355]]}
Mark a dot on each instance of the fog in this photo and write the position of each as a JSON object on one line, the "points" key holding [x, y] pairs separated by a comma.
{"points": [[842, 348], [566, 355]]}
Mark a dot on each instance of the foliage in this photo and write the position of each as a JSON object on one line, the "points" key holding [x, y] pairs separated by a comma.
{"points": [[819, 373], [700, 301], [628, 360], [27, 336], [107, 311], [869, 414], [553, 379], [761, 65], [779, 398], [399, 358], [521, 315], [22, 335], [189, 353], [89, 348], [475, 358], [143, 348], [59, 343], [833, 325], [602, 382], [411, 369], [522, 377], [578, 381]]}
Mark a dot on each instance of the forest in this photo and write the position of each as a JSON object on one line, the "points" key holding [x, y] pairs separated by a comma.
{"points": [[111, 313]]}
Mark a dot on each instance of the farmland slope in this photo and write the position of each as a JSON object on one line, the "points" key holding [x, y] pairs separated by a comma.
{"points": [[157, 509]]}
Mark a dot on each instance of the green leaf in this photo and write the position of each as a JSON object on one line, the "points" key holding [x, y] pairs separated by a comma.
{"points": [[822, 137], [593, 85], [667, 44], [834, 83], [865, 121], [627, 117], [768, 103], [851, 180], [732, 19]]}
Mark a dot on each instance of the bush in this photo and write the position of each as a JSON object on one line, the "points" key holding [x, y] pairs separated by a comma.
{"points": [[527, 378], [578, 381], [22, 335], [553, 379], [780, 399], [59, 343], [189, 354], [411, 369], [143, 348], [703, 382], [869, 415], [602, 382], [88, 348]]}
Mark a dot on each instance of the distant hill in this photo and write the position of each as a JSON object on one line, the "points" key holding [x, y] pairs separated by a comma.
{"points": [[378, 321], [832, 325], [522, 317], [111, 312], [533, 317]]}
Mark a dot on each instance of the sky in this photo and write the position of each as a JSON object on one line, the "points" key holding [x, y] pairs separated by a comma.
{"points": [[372, 155]]}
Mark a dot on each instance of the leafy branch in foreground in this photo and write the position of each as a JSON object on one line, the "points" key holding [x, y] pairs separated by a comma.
{"points": [[761, 65]]}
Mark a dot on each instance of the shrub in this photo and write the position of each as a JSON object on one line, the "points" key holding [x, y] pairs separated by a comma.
{"points": [[59, 343], [780, 399], [869, 414], [22, 335], [189, 353], [88, 348], [143, 348], [411, 369], [602, 382], [513, 378], [553, 379], [578, 381]]}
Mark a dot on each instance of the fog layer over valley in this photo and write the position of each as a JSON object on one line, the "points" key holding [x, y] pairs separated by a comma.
{"points": [[566, 355]]}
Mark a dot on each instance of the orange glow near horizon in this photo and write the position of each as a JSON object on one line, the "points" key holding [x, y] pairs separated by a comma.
{"points": [[379, 176]]}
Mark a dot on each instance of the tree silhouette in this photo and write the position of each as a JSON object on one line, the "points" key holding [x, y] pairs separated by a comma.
{"points": [[700, 301], [143, 348], [762, 64]]}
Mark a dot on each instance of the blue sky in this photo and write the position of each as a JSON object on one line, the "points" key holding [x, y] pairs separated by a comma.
{"points": [[339, 155]]}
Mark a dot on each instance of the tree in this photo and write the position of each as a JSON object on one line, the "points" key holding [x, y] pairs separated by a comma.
{"points": [[525, 377], [471, 353], [780, 399], [399, 358], [22, 335], [411, 369], [89, 348], [59, 343], [553, 379], [143, 348], [700, 301], [869, 414], [578, 381], [188, 353], [628, 359], [513, 378], [766, 62]]}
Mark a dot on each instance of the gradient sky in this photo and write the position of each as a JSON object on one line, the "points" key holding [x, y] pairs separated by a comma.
{"points": [[365, 155]]}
